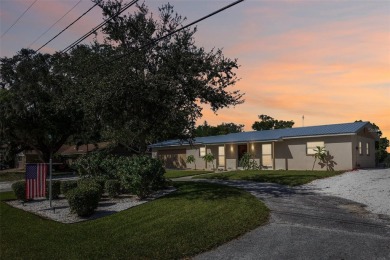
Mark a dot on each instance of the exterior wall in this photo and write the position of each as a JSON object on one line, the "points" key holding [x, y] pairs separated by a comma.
{"points": [[231, 154], [291, 154], [213, 149], [363, 160], [199, 162], [172, 158]]}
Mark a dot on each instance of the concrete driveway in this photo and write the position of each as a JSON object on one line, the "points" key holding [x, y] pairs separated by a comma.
{"points": [[306, 225]]}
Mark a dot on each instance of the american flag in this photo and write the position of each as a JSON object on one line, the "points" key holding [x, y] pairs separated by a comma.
{"points": [[35, 180]]}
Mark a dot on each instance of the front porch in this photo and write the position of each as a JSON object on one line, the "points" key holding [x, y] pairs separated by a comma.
{"points": [[228, 156]]}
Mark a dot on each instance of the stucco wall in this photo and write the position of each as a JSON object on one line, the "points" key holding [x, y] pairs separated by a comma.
{"points": [[291, 154], [199, 162], [363, 160]]}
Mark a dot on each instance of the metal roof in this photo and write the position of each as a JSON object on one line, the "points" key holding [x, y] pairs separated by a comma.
{"points": [[271, 135]]}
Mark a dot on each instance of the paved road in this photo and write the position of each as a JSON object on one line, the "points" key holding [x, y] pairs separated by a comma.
{"points": [[304, 225]]}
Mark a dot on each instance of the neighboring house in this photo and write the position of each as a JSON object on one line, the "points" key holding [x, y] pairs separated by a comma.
{"points": [[66, 154], [348, 146], [72, 152]]}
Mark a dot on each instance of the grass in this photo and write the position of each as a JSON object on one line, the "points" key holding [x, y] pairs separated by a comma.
{"points": [[291, 178], [171, 174], [11, 176], [196, 218]]}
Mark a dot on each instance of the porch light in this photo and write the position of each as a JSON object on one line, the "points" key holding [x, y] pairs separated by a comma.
{"points": [[231, 148], [253, 147]]}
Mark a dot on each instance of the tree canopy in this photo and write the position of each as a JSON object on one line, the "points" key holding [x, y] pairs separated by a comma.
{"points": [[37, 108], [134, 88], [267, 123], [225, 128]]}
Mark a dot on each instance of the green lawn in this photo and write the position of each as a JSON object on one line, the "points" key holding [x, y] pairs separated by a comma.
{"points": [[196, 218], [291, 178], [11, 176], [170, 174]]}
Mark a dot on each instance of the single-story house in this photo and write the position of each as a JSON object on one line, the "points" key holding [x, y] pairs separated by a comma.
{"points": [[348, 146]]}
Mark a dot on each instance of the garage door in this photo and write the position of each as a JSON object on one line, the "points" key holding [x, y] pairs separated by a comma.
{"points": [[173, 159]]}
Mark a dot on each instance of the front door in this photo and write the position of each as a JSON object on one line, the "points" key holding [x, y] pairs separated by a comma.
{"points": [[242, 149]]}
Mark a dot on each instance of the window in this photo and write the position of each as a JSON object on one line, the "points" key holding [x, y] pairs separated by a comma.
{"points": [[367, 149], [312, 146], [266, 155], [221, 155], [360, 148], [202, 151]]}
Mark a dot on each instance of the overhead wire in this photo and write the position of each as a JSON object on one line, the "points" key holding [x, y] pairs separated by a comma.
{"points": [[18, 18], [93, 30], [175, 31], [40, 36], [67, 27]]}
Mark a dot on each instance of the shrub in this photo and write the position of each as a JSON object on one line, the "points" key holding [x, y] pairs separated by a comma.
{"points": [[67, 186], [19, 189], [113, 188], [147, 175], [91, 183], [96, 164], [83, 200], [55, 189], [248, 163]]}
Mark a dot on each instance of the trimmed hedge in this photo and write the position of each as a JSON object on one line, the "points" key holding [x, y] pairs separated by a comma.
{"points": [[113, 188], [67, 186], [19, 189], [55, 189], [83, 200]]}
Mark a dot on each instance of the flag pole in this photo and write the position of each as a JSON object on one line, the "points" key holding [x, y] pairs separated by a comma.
{"points": [[50, 171]]}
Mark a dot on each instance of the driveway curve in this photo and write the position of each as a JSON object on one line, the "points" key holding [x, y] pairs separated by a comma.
{"points": [[307, 225]]}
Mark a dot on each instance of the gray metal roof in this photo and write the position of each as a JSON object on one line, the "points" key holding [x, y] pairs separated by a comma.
{"points": [[271, 135]]}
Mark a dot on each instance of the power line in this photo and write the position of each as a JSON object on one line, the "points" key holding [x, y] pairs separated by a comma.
{"points": [[18, 18], [54, 24], [177, 30], [67, 27], [98, 27]]}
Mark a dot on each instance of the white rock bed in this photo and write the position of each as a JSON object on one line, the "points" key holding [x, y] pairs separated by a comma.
{"points": [[61, 212], [369, 187]]}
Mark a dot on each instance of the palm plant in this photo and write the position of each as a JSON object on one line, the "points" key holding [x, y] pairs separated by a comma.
{"points": [[320, 153], [209, 158], [191, 159]]}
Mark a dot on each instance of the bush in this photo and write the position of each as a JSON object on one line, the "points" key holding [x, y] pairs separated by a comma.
{"points": [[248, 163], [83, 200], [55, 189], [144, 175], [91, 183], [67, 186], [113, 188], [19, 189], [96, 164]]}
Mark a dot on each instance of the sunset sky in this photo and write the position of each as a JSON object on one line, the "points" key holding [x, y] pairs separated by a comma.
{"points": [[328, 60]]}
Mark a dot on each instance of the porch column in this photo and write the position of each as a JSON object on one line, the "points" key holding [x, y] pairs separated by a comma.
{"points": [[273, 155], [205, 163], [224, 157]]}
